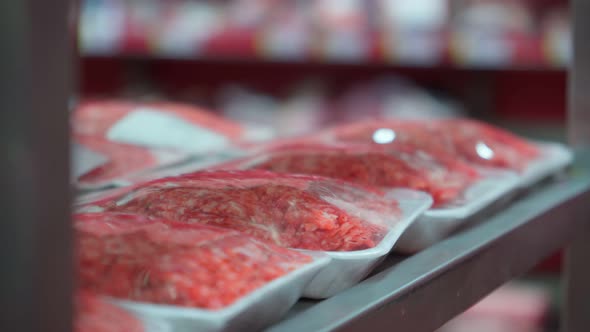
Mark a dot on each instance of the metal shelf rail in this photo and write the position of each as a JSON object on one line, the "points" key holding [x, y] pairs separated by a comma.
{"points": [[423, 291]]}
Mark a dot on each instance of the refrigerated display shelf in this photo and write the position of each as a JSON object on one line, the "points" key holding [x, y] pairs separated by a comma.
{"points": [[423, 291]]}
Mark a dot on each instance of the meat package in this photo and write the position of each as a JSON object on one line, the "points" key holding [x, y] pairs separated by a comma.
{"points": [[95, 314], [193, 276], [122, 160], [161, 125], [468, 140], [354, 225], [444, 178]]}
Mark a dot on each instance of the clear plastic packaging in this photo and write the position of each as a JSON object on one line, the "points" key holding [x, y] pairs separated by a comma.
{"points": [[354, 225], [161, 125], [444, 178], [295, 211], [349, 267], [467, 140], [122, 160], [196, 277], [459, 191]]}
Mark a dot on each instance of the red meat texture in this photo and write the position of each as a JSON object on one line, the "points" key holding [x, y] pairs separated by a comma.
{"points": [[123, 159], [444, 179], [95, 118], [93, 314], [290, 210], [172, 263], [468, 140]]}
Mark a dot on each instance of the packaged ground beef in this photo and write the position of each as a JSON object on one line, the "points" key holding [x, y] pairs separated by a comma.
{"points": [[134, 258], [296, 211], [160, 125], [467, 140], [122, 160], [94, 314], [444, 178]]}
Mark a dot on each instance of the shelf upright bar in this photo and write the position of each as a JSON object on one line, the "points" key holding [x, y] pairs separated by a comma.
{"points": [[579, 77], [35, 239], [576, 311]]}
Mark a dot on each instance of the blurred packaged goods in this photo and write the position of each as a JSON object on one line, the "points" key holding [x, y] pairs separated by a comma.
{"points": [[491, 33], [311, 105]]}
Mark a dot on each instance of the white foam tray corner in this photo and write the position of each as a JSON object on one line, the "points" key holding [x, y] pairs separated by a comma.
{"points": [[348, 268], [437, 223], [554, 158], [253, 312]]}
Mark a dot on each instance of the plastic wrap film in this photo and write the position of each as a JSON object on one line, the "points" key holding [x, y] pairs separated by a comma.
{"points": [[468, 140], [122, 160], [444, 178], [163, 262], [94, 314], [296, 211]]}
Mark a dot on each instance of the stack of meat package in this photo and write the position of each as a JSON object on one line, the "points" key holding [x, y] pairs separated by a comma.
{"points": [[135, 137], [235, 245]]}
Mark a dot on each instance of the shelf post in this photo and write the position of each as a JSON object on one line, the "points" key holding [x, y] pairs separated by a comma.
{"points": [[579, 77], [35, 244], [576, 277]]}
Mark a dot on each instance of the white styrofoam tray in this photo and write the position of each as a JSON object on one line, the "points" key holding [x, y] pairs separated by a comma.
{"points": [[152, 324], [554, 158], [348, 268], [437, 223], [84, 160], [253, 312]]}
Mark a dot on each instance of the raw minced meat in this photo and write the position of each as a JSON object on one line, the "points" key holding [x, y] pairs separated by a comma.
{"points": [[444, 178], [135, 258], [467, 140], [122, 159], [293, 211], [95, 118], [94, 314]]}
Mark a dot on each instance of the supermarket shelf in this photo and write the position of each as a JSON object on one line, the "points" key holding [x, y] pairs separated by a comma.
{"points": [[532, 63], [422, 292], [252, 60]]}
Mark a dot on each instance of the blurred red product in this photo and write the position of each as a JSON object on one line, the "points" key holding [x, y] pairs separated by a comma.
{"points": [[164, 262], [97, 117], [123, 159], [94, 314], [444, 178], [468, 140], [294, 211]]}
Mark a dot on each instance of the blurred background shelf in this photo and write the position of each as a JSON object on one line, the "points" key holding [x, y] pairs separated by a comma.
{"points": [[503, 61], [423, 33]]}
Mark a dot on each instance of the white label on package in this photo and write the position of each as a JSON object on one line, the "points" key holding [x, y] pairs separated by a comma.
{"points": [[84, 160], [157, 129]]}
